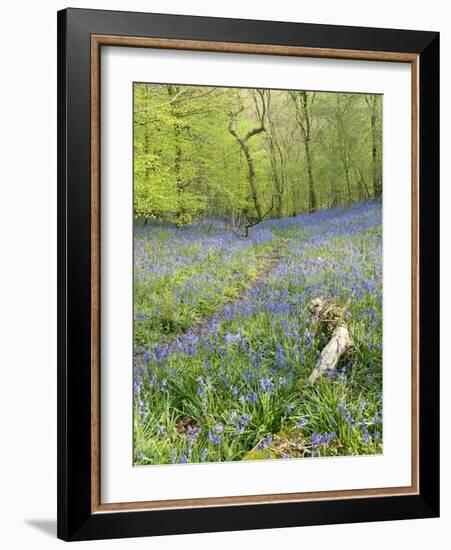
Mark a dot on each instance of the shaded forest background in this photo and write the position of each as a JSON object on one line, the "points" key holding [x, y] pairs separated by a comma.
{"points": [[244, 155]]}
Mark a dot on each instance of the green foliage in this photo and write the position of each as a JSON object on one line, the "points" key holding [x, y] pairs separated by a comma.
{"points": [[187, 165]]}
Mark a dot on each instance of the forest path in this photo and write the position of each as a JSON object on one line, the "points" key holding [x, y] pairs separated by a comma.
{"points": [[271, 260]]}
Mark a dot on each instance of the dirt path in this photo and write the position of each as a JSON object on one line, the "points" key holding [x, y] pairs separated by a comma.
{"points": [[272, 259]]}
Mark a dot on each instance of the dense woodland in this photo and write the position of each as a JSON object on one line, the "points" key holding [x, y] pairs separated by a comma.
{"points": [[244, 155], [270, 346]]}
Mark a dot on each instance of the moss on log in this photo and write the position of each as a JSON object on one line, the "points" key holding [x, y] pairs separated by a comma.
{"points": [[329, 318]]}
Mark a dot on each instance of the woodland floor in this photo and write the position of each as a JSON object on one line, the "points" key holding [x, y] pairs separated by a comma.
{"points": [[223, 341]]}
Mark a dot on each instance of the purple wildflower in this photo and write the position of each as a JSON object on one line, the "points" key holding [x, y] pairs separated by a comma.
{"points": [[301, 423], [251, 397], [265, 443], [267, 385]]}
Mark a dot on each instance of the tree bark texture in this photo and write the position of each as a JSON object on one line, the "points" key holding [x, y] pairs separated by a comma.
{"points": [[327, 315], [303, 115], [243, 142]]}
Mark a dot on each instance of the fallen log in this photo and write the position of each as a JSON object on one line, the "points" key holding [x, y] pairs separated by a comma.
{"points": [[329, 318]]}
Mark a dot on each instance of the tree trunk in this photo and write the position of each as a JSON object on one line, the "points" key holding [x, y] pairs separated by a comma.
{"points": [[343, 143], [252, 180], [348, 183], [333, 193], [172, 92], [243, 142], [377, 183], [146, 136], [361, 187], [276, 157], [376, 186], [303, 115], [278, 185], [364, 192], [313, 205]]}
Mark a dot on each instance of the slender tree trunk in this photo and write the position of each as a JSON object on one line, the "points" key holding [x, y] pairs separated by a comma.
{"points": [[172, 92], [348, 182], [364, 192], [334, 200], [276, 156], [278, 189], [377, 183], [146, 133], [343, 143], [278, 183], [313, 205], [279, 205], [252, 179], [147, 143], [303, 118], [361, 190]]}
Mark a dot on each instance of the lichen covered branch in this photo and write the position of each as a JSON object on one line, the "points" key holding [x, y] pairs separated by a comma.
{"points": [[330, 318]]}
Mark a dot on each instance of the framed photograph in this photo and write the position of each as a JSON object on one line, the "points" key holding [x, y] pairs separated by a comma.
{"points": [[248, 274]]}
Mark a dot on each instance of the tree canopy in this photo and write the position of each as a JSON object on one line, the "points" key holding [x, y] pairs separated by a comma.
{"points": [[241, 155]]}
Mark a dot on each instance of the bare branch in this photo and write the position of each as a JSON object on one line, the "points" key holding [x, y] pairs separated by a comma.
{"points": [[172, 100]]}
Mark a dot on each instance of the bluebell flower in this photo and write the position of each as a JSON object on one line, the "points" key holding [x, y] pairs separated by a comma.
{"points": [[147, 356], [232, 338], [265, 443], [322, 439], [301, 423], [251, 397], [214, 438], [193, 434], [137, 385], [267, 385], [365, 435], [204, 454]]}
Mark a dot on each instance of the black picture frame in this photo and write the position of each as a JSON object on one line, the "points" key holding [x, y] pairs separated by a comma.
{"points": [[76, 521]]}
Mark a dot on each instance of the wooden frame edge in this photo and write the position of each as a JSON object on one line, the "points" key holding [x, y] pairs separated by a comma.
{"points": [[415, 271], [95, 275], [261, 49], [208, 502], [109, 40]]}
